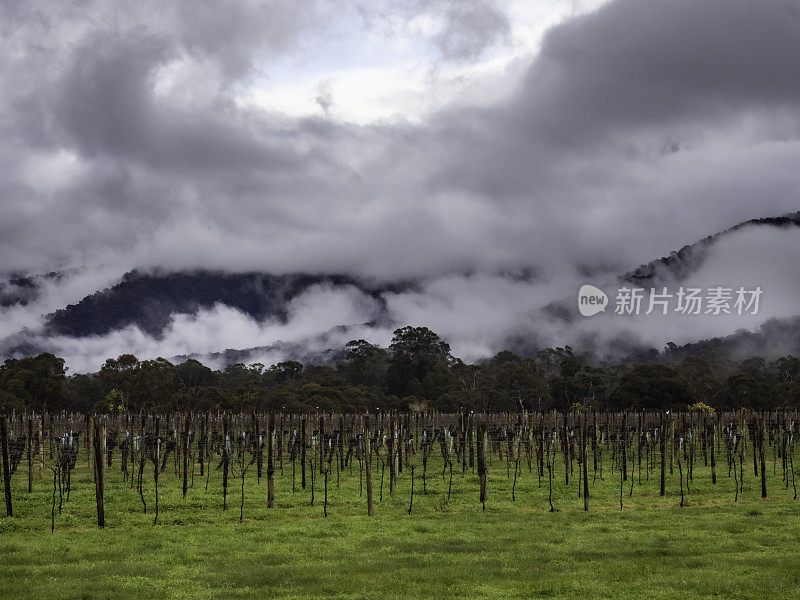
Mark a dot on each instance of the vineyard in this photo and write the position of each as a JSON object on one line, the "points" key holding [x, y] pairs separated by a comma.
{"points": [[298, 500]]}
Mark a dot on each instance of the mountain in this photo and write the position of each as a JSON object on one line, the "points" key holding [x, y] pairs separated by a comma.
{"points": [[150, 300], [22, 290], [682, 263], [322, 349], [674, 268], [775, 338]]}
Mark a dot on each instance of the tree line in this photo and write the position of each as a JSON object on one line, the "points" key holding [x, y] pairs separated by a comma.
{"points": [[416, 372]]}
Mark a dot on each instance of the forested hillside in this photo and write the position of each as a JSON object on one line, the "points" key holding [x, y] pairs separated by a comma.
{"points": [[150, 300]]}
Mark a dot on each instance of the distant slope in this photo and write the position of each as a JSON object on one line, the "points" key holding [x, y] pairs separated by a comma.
{"points": [[775, 338], [21, 290], [149, 300], [676, 267], [683, 262], [325, 348]]}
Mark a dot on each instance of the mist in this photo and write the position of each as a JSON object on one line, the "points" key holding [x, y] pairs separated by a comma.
{"points": [[491, 153]]}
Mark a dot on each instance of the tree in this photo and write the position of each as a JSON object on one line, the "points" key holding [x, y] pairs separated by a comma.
{"points": [[703, 376], [245, 384], [144, 385], [414, 351], [742, 390], [36, 383], [196, 382], [518, 385], [438, 381], [84, 392], [286, 370], [119, 374], [366, 364], [786, 388], [652, 387], [157, 385], [568, 377]]}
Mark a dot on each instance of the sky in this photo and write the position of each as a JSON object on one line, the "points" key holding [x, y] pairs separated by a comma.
{"points": [[457, 142]]}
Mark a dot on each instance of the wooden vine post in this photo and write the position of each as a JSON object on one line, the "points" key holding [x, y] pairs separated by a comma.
{"points": [[225, 459], [186, 455], [482, 450], [271, 462], [585, 465], [30, 454], [321, 443], [392, 452], [258, 447], [713, 451], [662, 435], [368, 463], [760, 426], [40, 422], [201, 444], [6, 469], [303, 452], [99, 446], [624, 440]]}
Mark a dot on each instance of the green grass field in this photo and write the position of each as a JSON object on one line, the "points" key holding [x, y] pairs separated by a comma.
{"points": [[711, 548]]}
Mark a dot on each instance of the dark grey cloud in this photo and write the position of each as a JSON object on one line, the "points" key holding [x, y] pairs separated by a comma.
{"points": [[95, 156], [634, 112], [635, 65], [109, 108], [645, 77]]}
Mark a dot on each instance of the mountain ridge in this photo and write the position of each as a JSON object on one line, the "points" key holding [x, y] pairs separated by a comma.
{"points": [[680, 263], [150, 300]]}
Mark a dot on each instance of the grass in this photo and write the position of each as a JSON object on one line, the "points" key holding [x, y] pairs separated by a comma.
{"points": [[711, 548]]}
